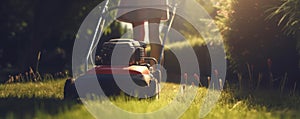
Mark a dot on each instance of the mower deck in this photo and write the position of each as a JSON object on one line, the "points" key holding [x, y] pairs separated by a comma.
{"points": [[110, 76]]}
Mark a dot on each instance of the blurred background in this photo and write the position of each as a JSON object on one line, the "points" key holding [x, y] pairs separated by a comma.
{"points": [[261, 37]]}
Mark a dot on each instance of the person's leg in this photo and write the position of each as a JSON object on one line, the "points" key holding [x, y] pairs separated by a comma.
{"points": [[155, 40], [138, 31]]}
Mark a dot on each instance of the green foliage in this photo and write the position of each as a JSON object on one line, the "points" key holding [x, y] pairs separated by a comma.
{"points": [[287, 15], [225, 10], [250, 39], [46, 27]]}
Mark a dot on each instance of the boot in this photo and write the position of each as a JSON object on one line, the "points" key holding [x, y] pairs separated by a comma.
{"points": [[155, 53]]}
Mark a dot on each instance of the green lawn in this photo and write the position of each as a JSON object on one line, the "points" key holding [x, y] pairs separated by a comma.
{"points": [[43, 100]]}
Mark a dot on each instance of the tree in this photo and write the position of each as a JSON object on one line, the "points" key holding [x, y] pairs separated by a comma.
{"points": [[48, 26], [252, 41]]}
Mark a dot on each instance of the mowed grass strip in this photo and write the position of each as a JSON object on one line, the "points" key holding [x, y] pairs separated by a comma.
{"points": [[44, 100]]}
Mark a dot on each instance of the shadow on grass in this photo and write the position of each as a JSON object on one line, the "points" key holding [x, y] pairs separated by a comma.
{"points": [[283, 104], [29, 107]]}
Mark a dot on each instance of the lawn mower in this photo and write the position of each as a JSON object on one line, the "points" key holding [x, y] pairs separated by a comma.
{"points": [[110, 75]]}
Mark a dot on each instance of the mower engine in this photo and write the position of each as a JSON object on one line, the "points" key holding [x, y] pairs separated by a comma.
{"points": [[134, 77], [127, 45]]}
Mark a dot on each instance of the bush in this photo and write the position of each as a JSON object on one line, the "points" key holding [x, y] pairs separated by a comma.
{"points": [[251, 39]]}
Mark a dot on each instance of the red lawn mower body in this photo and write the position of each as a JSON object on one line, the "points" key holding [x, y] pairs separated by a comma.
{"points": [[135, 78]]}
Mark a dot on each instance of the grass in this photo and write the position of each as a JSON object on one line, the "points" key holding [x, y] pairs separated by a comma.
{"points": [[44, 100], [49, 89]]}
